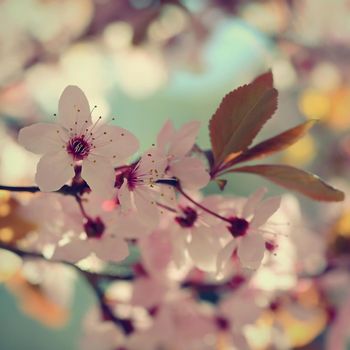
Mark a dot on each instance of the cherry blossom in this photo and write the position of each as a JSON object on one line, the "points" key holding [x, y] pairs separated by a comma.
{"points": [[196, 234], [235, 312], [76, 140], [247, 232], [101, 236], [175, 145], [137, 189], [99, 334]]}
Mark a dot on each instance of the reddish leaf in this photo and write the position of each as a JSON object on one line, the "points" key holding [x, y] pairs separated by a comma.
{"points": [[240, 116], [295, 179], [274, 144]]}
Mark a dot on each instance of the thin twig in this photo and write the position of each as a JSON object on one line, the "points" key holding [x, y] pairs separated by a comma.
{"points": [[66, 190]]}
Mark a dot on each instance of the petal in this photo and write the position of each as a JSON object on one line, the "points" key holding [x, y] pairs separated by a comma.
{"points": [[99, 174], [265, 210], [110, 248], [53, 171], [251, 250], [114, 142], [191, 172], [130, 226], [203, 249], [146, 207], [151, 165], [225, 255], [124, 197], [252, 202], [42, 138], [73, 251], [184, 139], [73, 108], [179, 252], [165, 135], [147, 292]]}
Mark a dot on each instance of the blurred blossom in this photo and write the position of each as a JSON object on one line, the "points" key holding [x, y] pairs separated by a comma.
{"points": [[331, 107], [10, 264], [332, 23], [13, 227], [118, 35], [302, 152], [44, 292], [172, 21], [269, 16], [284, 74], [19, 171], [315, 104], [140, 72], [62, 19], [325, 76]]}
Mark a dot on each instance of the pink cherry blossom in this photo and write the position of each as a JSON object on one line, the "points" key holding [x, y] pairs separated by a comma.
{"points": [[99, 334], [137, 189], [76, 140], [235, 311], [101, 236], [196, 234], [175, 145], [247, 232]]}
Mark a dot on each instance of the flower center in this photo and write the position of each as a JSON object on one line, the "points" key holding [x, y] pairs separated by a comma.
{"points": [[188, 217], [78, 148], [238, 227], [94, 228], [130, 175], [222, 323]]}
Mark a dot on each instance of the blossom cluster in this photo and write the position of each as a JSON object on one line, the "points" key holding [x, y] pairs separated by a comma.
{"points": [[155, 196], [124, 201], [195, 263]]}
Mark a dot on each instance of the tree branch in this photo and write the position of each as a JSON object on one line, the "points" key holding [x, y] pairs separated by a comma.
{"points": [[92, 278], [65, 190]]}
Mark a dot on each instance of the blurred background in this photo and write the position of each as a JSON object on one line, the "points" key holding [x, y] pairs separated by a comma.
{"points": [[146, 61]]}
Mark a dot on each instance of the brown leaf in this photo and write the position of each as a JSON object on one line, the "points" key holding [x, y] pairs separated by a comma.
{"points": [[274, 144], [240, 116], [295, 179]]}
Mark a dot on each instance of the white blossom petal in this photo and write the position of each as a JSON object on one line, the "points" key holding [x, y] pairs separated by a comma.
{"points": [[53, 171], [184, 139], [265, 210], [124, 197], [114, 142], [252, 201], [99, 174], [147, 210], [42, 138], [203, 249], [225, 254], [74, 109], [251, 250], [73, 251], [191, 172], [110, 248], [165, 135]]}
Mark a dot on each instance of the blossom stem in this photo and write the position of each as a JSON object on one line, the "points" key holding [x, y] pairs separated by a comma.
{"points": [[213, 213], [166, 207], [81, 207]]}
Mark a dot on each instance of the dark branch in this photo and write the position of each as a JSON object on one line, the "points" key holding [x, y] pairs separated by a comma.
{"points": [[66, 190]]}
